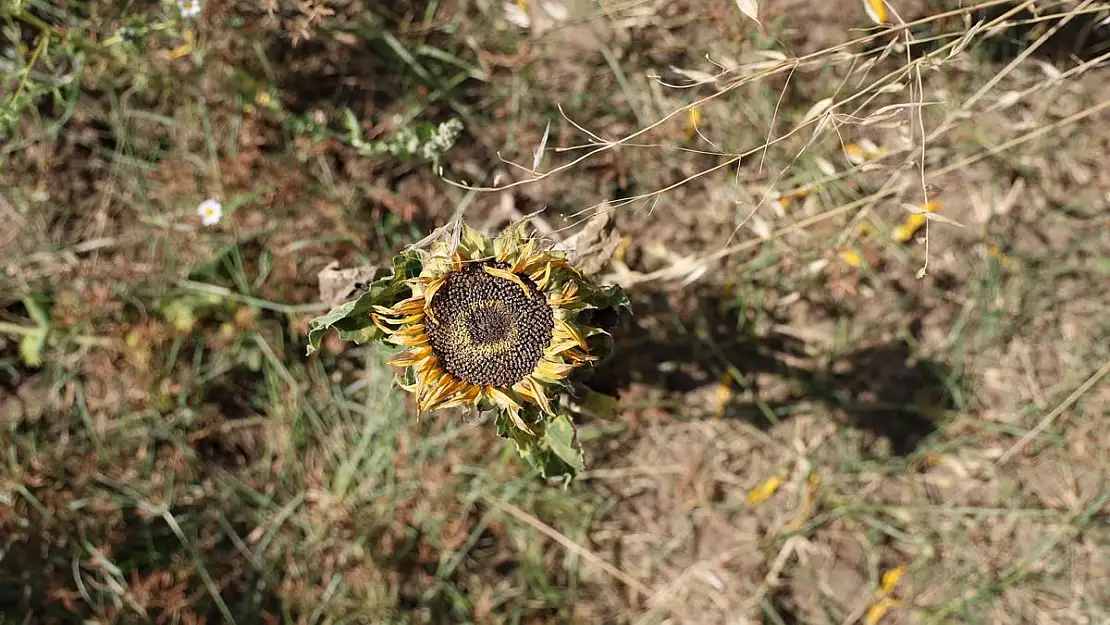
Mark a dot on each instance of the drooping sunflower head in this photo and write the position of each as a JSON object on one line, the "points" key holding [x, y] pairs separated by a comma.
{"points": [[491, 323]]}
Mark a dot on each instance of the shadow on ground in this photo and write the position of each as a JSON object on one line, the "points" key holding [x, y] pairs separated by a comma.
{"points": [[880, 387], [1057, 35], [1066, 36]]}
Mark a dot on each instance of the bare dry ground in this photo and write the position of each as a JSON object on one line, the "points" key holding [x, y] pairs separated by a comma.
{"points": [[825, 417]]}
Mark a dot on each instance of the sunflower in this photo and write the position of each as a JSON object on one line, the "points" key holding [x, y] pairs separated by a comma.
{"points": [[491, 324]]}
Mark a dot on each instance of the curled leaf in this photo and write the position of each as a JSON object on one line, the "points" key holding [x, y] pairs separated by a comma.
{"points": [[592, 247], [340, 285]]}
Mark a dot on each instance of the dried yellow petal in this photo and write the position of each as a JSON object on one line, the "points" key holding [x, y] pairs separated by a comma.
{"points": [[796, 194], [693, 118], [764, 491], [851, 258], [879, 610], [915, 221], [876, 10], [855, 154], [890, 580], [622, 248], [724, 394], [181, 50], [999, 255]]}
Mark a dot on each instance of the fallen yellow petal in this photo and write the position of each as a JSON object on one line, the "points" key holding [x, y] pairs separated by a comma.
{"points": [[855, 154], [913, 223], [890, 580], [797, 194], [999, 255], [808, 502], [851, 258], [764, 491], [876, 10], [622, 248], [181, 50], [879, 610], [693, 118], [933, 460], [724, 394]]}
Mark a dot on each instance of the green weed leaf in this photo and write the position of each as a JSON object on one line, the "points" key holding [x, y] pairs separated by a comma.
{"points": [[32, 344], [30, 348]]}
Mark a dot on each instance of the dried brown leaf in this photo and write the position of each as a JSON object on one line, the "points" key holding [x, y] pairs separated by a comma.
{"points": [[594, 245], [340, 285]]}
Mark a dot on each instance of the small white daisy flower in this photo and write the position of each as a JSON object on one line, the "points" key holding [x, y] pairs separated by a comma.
{"points": [[556, 11], [189, 8], [515, 13], [210, 212]]}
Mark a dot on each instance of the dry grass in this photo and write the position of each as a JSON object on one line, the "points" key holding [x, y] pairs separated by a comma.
{"points": [[812, 396]]}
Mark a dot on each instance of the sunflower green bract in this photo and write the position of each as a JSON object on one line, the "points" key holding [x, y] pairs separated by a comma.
{"points": [[491, 326]]}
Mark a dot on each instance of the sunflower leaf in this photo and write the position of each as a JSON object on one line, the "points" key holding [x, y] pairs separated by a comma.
{"points": [[555, 453], [562, 439], [473, 243], [352, 319], [610, 296], [597, 405], [510, 238]]}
